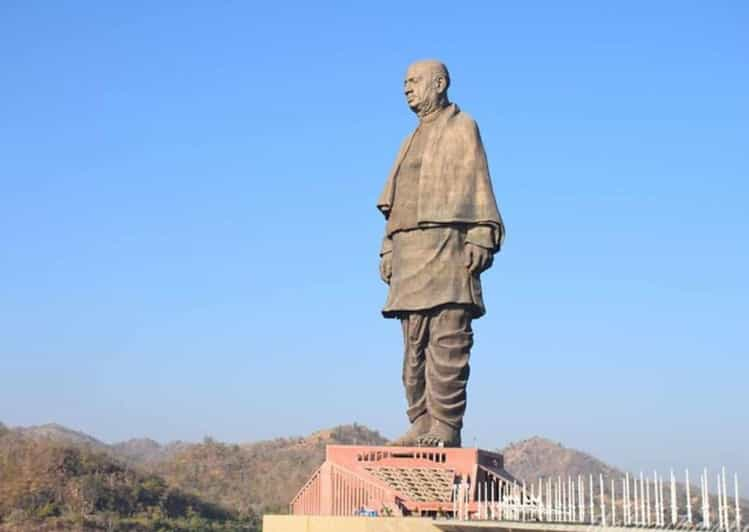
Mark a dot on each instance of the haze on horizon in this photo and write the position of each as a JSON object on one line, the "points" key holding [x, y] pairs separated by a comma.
{"points": [[188, 237]]}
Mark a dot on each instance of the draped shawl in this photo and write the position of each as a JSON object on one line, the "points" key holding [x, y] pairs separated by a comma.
{"points": [[454, 182]]}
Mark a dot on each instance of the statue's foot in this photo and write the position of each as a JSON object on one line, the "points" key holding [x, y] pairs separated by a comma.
{"points": [[440, 435], [419, 427]]}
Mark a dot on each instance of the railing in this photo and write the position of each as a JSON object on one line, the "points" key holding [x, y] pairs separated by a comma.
{"points": [[354, 493], [627, 501], [308, 500]]}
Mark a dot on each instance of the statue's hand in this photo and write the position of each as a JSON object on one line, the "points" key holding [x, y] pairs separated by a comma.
{"points": [[478, 258], [386, 267]]}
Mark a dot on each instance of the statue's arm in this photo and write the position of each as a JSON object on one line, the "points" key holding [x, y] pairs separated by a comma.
{"points": [[480, 247], [386, 259], [481, 235], [387, 246]]}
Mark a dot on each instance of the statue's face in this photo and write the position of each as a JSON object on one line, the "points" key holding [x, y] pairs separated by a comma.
{"points": [[420, 88]]}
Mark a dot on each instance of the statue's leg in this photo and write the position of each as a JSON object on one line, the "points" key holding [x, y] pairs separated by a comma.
{"points": [[447, 371], [415, 330]]}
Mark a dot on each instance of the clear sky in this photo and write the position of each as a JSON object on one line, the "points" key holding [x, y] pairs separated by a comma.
{"points": [[188, 236]]}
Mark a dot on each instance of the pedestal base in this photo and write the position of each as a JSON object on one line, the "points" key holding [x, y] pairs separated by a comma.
{"points": [[402, 481]]}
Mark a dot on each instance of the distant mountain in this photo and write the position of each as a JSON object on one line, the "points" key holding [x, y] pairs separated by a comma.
{"points": [[140, 451], [135, 451], [538, 457], [58, 433]]}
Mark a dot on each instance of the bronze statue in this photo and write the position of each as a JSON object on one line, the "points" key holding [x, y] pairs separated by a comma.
{"points": [[443, 229]]}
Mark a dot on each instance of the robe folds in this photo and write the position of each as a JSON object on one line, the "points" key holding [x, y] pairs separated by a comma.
{"points": [[449, 202], [454, 184]]}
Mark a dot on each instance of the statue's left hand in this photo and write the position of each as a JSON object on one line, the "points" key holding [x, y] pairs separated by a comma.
{"points": [[478, 258]]}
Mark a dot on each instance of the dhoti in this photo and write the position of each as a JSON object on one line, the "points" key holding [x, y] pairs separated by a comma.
{"points": [[435, 364]]}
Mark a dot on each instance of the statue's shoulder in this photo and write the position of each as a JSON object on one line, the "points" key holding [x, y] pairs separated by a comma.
{"points": [[463, 123], [464, 118]]}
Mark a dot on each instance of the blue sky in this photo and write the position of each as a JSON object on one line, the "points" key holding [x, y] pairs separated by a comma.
{"points": [[188, 237]]}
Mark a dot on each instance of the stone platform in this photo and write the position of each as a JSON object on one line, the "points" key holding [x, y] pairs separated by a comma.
{"points": [[402, 481], [298, 523]]}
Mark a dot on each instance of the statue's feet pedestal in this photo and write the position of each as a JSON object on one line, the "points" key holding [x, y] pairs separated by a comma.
{"points": [[403, 481]]}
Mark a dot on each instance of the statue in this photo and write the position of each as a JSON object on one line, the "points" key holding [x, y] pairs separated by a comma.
{"points": [[442, 231]]}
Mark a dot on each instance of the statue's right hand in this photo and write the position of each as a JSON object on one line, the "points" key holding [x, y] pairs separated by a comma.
{"points": [[386, 267]]}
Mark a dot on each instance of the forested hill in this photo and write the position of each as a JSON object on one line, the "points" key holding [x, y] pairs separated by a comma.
{"points": [[46, 484]]}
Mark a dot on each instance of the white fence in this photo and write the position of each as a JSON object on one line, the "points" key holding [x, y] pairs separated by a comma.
{"points": [[627, 501]]}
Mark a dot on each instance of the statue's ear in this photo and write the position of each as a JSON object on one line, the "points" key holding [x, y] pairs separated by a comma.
{"points": [[440, 83]]}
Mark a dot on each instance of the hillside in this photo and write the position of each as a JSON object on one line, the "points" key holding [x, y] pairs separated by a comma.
{"points": [[261, 476], [47, 484], [141, 451], [538, 457]]}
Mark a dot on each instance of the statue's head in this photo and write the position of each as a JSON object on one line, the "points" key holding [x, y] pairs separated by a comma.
{"points": [[426, 86]]}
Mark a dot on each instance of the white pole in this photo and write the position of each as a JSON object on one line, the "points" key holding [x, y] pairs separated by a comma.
{"points": [[706, 501], [544, 500], [557, 498], [702, 498], [490, 499], [478, 499], [573, 492], [638, 504], [522, 502], [533, 504], [602, 500], [689, 500], [592, 508], [580, 499], [564, 501], [540, 500], [674, 507], [519, 499], [656, 495], [660, 495], [736, 494], [725, 499], [613, 503], [656, 521], [553, 500], [549, 501], [647, 503], [720, 505], [499, 502], [627, 520], [490, 502], [642, 498], [482, 503]]}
